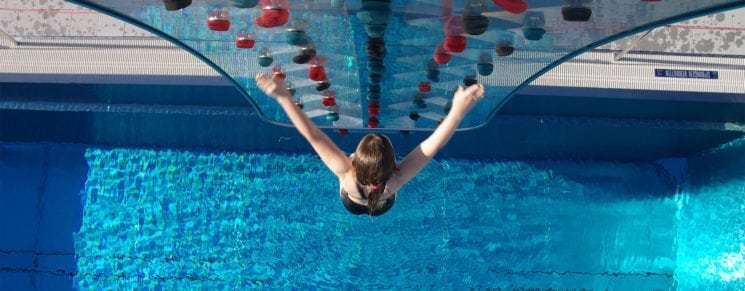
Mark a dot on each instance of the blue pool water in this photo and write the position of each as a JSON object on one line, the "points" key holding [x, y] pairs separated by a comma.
{"points": [[93, 218]]}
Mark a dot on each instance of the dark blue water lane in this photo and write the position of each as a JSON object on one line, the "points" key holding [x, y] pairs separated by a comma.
{"points": [[40, 186]]}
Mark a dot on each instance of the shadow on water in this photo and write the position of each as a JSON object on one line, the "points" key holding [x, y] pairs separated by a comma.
{"points": [[41, 209]]}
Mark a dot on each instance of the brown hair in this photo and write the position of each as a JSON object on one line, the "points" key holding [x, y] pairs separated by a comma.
{"points": [[374, 162]]}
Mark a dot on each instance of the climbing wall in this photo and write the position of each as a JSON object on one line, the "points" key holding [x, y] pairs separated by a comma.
{"points": [[393, 65]]}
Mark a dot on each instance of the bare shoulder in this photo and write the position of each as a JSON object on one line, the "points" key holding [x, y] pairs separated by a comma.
{"points": [[395, 182], [348, 182]]}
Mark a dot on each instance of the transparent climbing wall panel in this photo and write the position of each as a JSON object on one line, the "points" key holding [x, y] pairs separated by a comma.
{"points": [[394, 65]]}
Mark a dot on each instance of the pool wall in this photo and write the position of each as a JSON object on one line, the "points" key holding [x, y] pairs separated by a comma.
{"points": [[534, 124]]}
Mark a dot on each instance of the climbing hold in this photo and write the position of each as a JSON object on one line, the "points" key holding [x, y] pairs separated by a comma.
{"points": [[323, 85], [332, 116], [375, 65], [296, 37], [373, 108], [469, 80], [454, 26], [485, 69], [329, 98], [295, 34], [505, 48], [372, 122], [533, 33], [485, 66], [432, 70], [433, 75], [278, 72], [534, 22], [244, 3], [474, 23], [414, 116], [317, 71], [441, 55], [218, 20], [298, 103], [272, 18], [576, 11], [374, 78], [244, 41], [274, 13], [418, 100], [454, 41], [424, 87], [376, 47], [172, 5], [343, 131], [265, 57], [307, 53], [375, 12], [375, 30], [512, 6]]}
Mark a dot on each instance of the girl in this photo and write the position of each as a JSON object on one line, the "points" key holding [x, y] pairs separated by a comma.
{"points": [[370, 178]]}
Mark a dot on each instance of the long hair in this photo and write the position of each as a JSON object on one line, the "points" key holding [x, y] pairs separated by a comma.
{"points": [[374, 163]]}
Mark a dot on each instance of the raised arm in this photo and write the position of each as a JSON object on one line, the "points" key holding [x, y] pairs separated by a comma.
{"points": [[330, 154], [463, 101]]}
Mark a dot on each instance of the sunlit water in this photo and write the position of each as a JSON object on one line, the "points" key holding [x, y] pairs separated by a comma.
{"points": [[180, 219]]}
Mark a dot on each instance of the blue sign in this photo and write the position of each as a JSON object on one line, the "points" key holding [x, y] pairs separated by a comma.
{"points": [[693, 74]]}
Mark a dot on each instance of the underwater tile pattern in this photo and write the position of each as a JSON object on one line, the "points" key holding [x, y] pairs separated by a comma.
{"points": [[516, 46], [165, 219], [179, 219], [711, 227]]}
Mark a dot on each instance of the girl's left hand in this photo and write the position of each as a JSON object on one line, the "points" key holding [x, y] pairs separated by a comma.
{"points": [[274, 87]]}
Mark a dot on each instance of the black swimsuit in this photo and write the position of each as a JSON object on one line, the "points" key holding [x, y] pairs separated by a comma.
{"points": [[358, 209]]}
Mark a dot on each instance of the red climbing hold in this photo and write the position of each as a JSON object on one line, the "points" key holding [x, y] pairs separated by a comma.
{"points": [[272, 18], [455, 43], [373, 108], [218, 21], [244, 41], [278, 73], [454, 26], [424, 87], [441, 55], [329, 98], [372, 122], [512, 6], [343, 131], [317, 73]]}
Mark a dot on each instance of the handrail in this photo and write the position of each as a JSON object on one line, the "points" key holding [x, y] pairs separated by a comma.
{"points": [[632, 45], [10, 38]]}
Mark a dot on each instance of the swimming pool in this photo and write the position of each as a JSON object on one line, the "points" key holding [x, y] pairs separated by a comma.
{"points": [[91, 217], [170, 183]]}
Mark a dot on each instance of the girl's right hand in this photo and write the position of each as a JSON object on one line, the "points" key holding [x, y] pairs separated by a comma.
{"points": [[274, 87], [464, 99]]}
